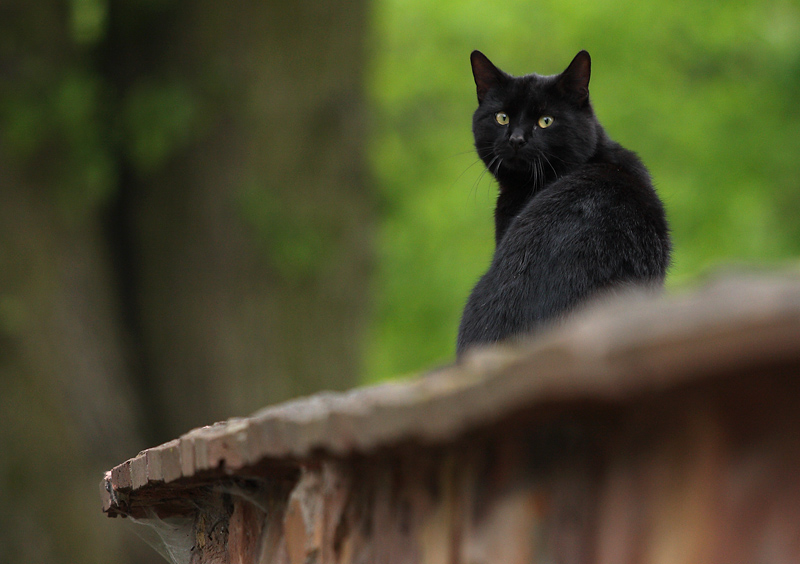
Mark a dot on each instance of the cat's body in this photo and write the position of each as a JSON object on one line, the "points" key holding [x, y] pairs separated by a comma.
{"points": [[577, 213]]}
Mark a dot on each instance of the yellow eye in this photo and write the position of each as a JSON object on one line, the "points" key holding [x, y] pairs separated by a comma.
{"points": [[501, 117], [545, 121]]}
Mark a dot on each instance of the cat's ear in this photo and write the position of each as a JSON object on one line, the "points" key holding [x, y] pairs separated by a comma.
{"points": [[487, 76], [574, 81]]}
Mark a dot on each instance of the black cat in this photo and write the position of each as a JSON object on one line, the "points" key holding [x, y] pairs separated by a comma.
{"points": [[576, 215]]}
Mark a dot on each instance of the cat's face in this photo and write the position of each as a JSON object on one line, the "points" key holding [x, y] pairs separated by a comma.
{"points": [[530, 129]]}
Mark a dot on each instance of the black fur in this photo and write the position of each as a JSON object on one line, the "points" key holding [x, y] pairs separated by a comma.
{"points": [[576, 215]]}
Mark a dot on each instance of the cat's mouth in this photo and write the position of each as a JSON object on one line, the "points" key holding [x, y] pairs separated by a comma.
{"points": [[516, 163], [513, 160]]}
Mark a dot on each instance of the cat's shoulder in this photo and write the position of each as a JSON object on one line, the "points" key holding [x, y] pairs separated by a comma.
{"points": [[600, 190], [613, 172]]}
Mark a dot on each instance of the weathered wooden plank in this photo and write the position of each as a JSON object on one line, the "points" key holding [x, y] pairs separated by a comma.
{"points": [[647, 431]]}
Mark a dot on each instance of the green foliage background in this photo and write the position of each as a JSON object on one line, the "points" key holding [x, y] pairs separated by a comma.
{"points": [[706, 92]]}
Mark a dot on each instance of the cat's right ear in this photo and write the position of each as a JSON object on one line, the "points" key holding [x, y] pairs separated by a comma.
{"points": [[487, 76]]}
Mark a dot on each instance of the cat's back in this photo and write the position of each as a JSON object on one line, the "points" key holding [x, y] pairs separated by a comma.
{"points": [[596, 228], [606, 209]]}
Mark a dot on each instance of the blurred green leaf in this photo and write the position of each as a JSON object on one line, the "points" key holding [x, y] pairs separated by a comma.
{"points": [[159, 118], [89, 20]]}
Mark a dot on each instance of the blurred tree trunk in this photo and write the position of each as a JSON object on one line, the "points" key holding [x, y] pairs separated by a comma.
{"points": [[244, 212], [184, 236], [67, 408]]}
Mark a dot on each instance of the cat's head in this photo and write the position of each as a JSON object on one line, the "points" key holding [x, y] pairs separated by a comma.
{"points": [[532, 128]]}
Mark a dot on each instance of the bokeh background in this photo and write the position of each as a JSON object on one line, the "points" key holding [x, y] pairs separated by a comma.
{"points": [[207, 207]]}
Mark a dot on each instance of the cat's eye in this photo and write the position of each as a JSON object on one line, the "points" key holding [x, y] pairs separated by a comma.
{"points": [[501, 118], [545, 121]]}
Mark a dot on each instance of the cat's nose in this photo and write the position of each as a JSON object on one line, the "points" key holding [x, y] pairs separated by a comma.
{"points": [[517, 139]]}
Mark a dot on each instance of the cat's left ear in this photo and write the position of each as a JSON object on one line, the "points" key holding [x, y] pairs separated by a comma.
{"points": [[574, 81]]}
